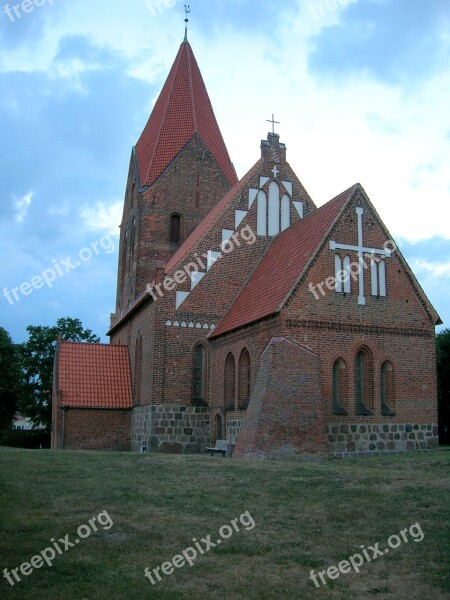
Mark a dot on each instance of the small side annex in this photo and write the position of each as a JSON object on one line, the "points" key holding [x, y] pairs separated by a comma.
{"points": [[92, 397]]}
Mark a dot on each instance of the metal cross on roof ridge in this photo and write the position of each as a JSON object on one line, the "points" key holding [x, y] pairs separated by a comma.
{"points": [[272, 120]]}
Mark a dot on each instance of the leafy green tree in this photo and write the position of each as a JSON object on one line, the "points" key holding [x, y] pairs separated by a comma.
{"points": [[10, 379], [443, 373], [37, 356]]}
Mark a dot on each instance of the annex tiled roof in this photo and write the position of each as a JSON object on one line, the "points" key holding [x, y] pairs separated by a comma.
{"points": [[94, 376], [182, 109], [285, 260]]}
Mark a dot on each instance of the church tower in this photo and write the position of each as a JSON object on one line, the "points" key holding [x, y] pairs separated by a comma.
{"points": [[179, 170]]}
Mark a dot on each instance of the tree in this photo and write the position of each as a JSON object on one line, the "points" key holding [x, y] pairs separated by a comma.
{"points": [[443, 374], [10, 380], [37, 357]]}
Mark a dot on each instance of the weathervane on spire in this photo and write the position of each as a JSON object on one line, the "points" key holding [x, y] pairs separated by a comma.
{"points": [[187, 9]]}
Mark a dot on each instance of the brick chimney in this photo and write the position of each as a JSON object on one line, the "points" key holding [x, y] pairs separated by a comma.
{"points": [[272, 150]]}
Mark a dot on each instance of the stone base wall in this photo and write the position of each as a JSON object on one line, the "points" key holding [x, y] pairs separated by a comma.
{"points": [[357, 440], [171, 428], [233, 429]]}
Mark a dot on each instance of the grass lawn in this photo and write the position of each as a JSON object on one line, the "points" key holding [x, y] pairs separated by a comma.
{"points": [[307, 516]]}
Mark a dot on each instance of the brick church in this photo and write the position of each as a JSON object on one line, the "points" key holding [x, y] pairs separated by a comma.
{"points": [[246, 313]]}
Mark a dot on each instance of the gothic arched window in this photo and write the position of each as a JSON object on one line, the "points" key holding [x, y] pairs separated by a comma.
{"points": [[138, 371], [387, 390], [133, 237], [378, 273], [229, 382], [244, 380], [198, 388], [175, 229], [339, 387], [364, 383], [124, 253]]}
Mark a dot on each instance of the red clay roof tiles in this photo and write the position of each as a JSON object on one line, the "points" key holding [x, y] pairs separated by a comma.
{"points": [[182, 109], [94, 376], [277, 273]]}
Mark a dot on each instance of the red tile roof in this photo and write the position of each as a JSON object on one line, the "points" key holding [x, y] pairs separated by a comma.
{"points": [[93, 376], [280, 268], [182, 109]]}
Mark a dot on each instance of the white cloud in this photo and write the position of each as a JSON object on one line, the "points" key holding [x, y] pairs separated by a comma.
{"points": [[21, 206], [103, 216], [434, 268]]}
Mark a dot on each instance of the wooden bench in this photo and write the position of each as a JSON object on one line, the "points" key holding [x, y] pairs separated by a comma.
{"points": [[221, 446]]}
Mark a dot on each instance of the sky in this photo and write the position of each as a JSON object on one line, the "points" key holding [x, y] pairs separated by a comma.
{"points": [[361, 89]]}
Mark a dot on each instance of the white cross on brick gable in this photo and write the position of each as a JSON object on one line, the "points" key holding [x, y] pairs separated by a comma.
{"points": [[361, 250]]}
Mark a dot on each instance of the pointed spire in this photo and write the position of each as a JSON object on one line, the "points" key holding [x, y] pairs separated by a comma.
{"points": [[182, 110], [187, 9]]}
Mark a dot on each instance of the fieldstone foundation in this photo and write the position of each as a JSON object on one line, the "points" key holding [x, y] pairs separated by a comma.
{"points": [[356, 440], [170, 428], [233, 429]]}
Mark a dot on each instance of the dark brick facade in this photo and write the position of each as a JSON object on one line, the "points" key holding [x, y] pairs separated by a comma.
{"points": [[94, 429]]}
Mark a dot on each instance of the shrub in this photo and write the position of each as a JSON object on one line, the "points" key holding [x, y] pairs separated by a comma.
{"points": [[19, 438]]}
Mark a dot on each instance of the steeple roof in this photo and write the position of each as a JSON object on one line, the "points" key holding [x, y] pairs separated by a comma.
{"points": [[182, 110]]}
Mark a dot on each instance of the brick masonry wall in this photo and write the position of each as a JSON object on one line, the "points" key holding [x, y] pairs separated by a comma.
{"points": [[398, 328], [191, 186], [219, 288], [171, 429], [354, 440], [142, 324], [412, 358], [167, 351], [285, 415], [414, 363], [95, 429]]}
